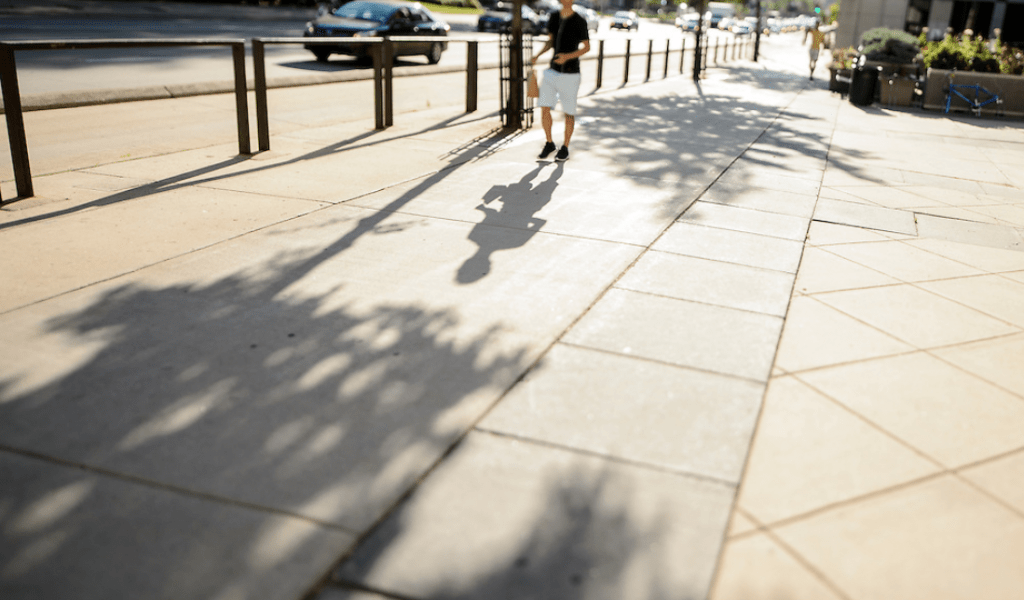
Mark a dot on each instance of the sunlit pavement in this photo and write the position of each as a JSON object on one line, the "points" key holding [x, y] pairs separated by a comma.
{"points": [[750, 341]]}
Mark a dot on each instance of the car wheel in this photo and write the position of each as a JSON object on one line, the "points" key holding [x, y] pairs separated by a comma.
{"points": [[434, 55], [321, 55]]}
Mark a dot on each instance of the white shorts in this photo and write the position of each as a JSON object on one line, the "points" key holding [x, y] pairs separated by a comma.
{"points": [[814, 54], [560, 87]]}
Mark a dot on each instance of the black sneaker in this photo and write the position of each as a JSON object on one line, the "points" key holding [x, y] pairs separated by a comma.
{"points": [[563, 153], [548, 149]]}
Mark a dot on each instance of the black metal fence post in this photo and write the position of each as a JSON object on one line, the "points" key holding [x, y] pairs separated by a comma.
{"points": [[625, 76], [600, 63], [260, 90], [650, 56], [668, 44], [378, 86], [241, 98], [472, 69], [15, 122], [389, 83]]}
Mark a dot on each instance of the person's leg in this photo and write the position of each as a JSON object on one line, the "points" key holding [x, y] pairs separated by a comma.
{"points": [[545, 121], [548, 98], [569, 87]]}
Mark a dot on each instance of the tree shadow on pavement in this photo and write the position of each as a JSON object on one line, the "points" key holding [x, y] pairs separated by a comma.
{"points": [[259, 392], [505, 519]]}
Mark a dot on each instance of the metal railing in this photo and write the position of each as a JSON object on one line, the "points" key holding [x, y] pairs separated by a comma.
{"points": [[383, 54], [12, 94], [383, 66]]}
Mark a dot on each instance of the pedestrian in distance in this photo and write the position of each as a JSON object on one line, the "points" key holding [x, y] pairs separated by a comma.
{"points": [[568, 36], [817, 41]]}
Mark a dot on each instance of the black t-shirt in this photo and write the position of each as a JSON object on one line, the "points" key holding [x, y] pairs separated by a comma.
{"points": [[568, 39]]}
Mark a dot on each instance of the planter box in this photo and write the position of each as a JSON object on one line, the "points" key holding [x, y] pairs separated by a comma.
{"points": [[1010, 89], [896, 91]]}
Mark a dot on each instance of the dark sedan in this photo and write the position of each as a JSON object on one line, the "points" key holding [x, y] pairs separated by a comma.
{"points": [[499, 19], [377, 18]]}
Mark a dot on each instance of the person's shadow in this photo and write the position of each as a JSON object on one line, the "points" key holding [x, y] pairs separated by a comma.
{"points": [[511, 226]]}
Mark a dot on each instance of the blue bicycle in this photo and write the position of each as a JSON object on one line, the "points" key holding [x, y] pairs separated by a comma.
{"points": [[975, 103]]}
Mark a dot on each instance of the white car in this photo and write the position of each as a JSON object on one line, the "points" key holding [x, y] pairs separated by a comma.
{"points": [[688, 22]]}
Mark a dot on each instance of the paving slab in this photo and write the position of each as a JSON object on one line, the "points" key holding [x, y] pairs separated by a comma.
{"points": [[635, 410], [936, 532], [65, 530], [702, 336], [978, 234], [928, 411], [862, 215], [507, 519], [711, 282], [736, 247], [750, 221]]}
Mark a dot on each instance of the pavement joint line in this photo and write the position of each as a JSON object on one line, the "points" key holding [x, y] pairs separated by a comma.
{"points": [[806, 564], [666, 363], [848, 502], [176, 489], [609, 457], [729, 262], [349, 585], [734, 504], [748, 311], [994, 384]]}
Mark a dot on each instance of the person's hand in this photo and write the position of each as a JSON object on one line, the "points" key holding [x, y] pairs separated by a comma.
{"points": [[560, 59], [533, 60]]}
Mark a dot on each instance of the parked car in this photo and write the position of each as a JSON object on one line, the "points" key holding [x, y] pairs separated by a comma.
{"points": [[378, 18], [590, 15], [625, 19], [499, 19], [741, 27], [688, 22]]}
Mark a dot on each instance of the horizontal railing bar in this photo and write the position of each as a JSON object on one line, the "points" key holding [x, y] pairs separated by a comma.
{"points": [[117, 43]]}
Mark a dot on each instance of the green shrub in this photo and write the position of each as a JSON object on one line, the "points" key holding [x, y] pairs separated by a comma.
{"points": [[889, 45], [947, 54], [973, 55]]}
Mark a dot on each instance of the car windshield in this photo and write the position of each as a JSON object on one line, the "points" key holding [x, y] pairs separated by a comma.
{"points": [[366, 11], [621, 15]]}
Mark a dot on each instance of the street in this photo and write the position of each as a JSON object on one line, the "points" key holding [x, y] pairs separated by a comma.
{"points": [[62, 71]]}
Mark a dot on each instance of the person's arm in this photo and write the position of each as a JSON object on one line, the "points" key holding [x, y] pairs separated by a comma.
{"points": [[547, 46], [561, 58]]}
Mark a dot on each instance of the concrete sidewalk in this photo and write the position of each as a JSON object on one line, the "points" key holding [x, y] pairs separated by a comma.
{"points": [[749, 342]]}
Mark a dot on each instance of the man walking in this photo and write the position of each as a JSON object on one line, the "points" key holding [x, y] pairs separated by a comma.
{"points": [[567, 32], [817, 41]]}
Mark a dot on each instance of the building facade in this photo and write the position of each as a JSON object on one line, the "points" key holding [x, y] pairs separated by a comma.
{"points": [[985, 18]]}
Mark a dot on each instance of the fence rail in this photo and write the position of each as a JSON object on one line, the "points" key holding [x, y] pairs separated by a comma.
{"points": [[12, 94]]}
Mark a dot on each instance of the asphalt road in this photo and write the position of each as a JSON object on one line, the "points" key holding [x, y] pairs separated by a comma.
{"points": [[63, 71]]}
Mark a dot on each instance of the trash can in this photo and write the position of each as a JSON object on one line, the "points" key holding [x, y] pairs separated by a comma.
{"points": [[862, 85]]}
